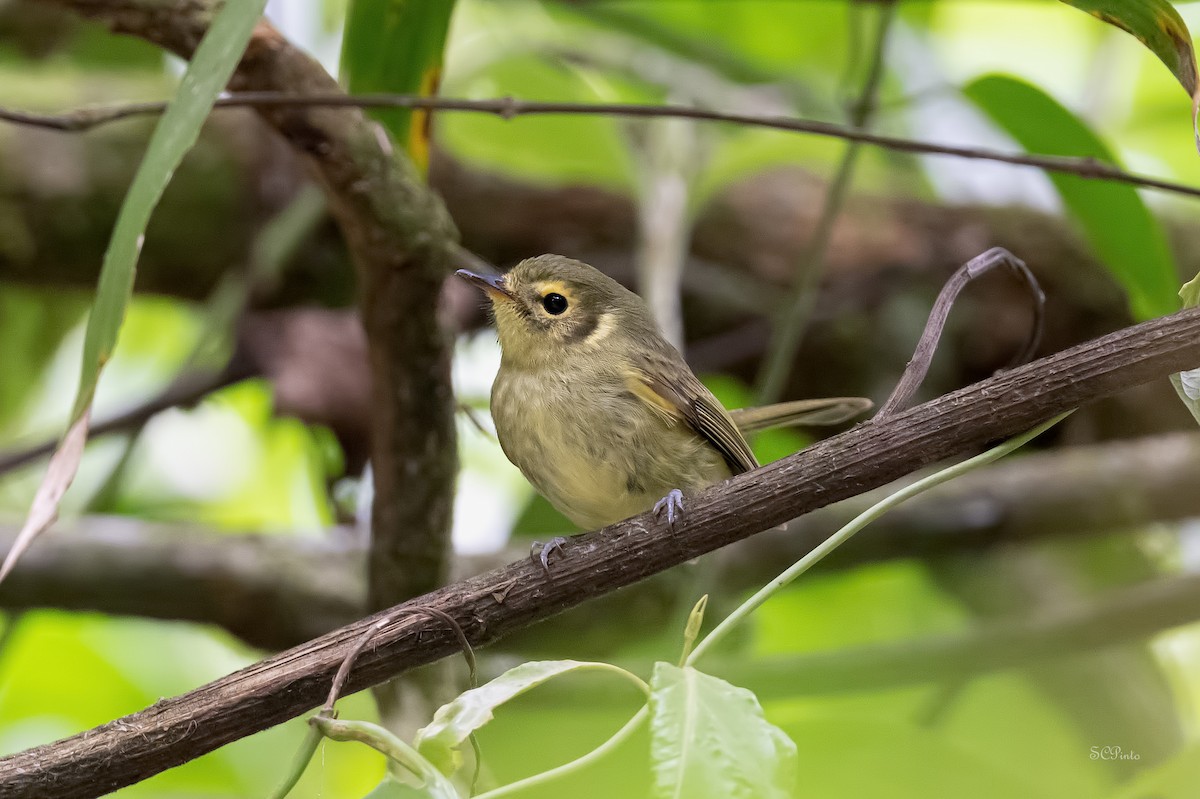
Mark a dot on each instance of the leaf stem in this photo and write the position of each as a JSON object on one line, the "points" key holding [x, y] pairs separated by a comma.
{"points": [[618, 738], [859, 522]]}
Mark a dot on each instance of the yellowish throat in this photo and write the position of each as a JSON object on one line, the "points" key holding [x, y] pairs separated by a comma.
{"points": [[598, 411]]}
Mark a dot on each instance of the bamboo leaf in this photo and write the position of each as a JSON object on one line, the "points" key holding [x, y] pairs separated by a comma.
{"points": [[396, 46], [1116, 222], [1157, 25], [216, 57]]}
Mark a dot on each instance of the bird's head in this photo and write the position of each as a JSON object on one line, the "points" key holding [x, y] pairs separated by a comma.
{"points": [[551, 308]]}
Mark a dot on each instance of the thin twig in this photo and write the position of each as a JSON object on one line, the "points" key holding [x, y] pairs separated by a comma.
{"points": [[185, 391], [509, 108], [343, 672], [792, 321], [977, 267]]}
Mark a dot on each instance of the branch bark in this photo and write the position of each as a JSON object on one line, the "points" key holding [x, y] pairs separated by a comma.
{"points": [[399, 235], [492, 605], [276, 591]]}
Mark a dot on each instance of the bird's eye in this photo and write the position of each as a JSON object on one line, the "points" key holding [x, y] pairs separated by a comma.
{"points": [[554, 303]]}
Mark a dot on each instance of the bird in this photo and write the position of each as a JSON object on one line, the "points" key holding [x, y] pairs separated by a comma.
{"points": [[599, 411]]}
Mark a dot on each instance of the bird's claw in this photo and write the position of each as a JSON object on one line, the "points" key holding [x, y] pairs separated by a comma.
{"points": [[672, 504], [544, 551]]}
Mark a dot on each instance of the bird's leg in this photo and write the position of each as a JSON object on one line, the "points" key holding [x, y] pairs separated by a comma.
{"points": [[672, 504], [544, 551]]}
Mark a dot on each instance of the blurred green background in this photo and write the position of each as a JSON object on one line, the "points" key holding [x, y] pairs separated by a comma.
{"points": [[259, 457]]}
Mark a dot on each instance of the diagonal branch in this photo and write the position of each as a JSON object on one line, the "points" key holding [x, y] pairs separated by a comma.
{"points": [[275, 591], [492, 605]]}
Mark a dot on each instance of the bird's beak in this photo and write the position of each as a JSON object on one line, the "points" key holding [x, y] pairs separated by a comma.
{"points": [[492, 284]]}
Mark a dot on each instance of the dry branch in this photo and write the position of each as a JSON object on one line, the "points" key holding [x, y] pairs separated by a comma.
{"points": [[176, 730], [276, 591]]}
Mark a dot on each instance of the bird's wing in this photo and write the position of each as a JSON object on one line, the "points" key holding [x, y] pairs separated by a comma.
{"points": [[828, 411], [672, 390]]}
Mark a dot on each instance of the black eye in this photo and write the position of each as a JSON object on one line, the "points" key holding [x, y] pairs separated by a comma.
{"points": [[554, 303]]}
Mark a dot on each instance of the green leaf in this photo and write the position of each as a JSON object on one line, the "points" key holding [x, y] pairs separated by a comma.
{"points": [[396, 46], [709, 739], [433, 784], [215, 58], [1187, 383], [692, 630], [392, 788], [1190, 292], [454, 722], [1118, 226], [1156, 24]]}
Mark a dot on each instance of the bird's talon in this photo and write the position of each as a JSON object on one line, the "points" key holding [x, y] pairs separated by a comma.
{"points": [[553, 545], [672, 503]]}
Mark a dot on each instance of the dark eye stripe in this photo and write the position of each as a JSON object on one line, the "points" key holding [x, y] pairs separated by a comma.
{"points": [[579, 326]]}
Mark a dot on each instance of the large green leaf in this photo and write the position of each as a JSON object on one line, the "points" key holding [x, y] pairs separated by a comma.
{"points": [[1118, 226], [215, 58], [709, 739], [1156, 24], [1187, 383], [454, 722], [396, 46]]}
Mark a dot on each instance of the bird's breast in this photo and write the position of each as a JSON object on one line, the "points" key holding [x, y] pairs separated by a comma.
{"points": [[595, 451]]}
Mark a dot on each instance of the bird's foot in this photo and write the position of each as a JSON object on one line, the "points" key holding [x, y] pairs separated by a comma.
{"points": [[672, 505], [544, 551]]}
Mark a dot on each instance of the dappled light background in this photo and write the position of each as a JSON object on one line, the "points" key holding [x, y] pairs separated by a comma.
{"points": [[235, 464]]}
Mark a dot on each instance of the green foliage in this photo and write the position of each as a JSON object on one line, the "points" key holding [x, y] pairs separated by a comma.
{"points": [[392, 788], [994, 736], [1156, 24], [709, 739], [1187, 383], [1118, 226], [454, 723], [215, 58], [1175, 778], [396, 46], [32, 327], [533, 146]]}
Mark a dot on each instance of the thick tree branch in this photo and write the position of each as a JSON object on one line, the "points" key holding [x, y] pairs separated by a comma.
{"points": [[276, 591], [400, 237], [492, 605], [269, 590]]}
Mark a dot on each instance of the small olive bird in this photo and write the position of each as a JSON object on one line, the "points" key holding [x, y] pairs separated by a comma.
{"points": [[599, 412]]}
